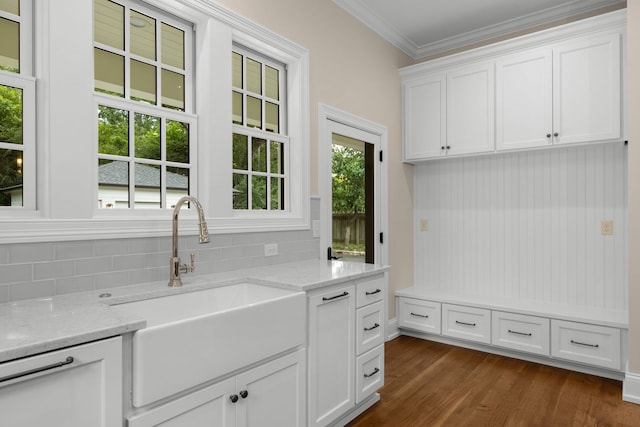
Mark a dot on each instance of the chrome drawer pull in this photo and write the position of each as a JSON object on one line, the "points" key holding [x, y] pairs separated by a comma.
{"points": [[420, 315], [372, 328], [465, 323], [67, 361], [344, 294], [585, 344], [519, 333], [375, 371], [377, 291]]}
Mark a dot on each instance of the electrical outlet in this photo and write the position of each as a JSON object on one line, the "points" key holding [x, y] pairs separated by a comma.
{"points": [[271, 249], [424, 224], [606, 227]]}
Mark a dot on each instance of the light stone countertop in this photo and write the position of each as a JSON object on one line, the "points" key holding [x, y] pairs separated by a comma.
{"points": [[35, 326]]}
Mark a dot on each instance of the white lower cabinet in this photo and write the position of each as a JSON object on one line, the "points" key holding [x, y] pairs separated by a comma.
{"points": [[269, 395], [468, 323], [370, 373], [76, 387], [419, 314], [520, 332], [585, 343]]}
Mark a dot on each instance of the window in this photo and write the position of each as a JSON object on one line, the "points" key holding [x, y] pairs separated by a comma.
{"points": [[145, 126], [17, 107], [260, 141]]}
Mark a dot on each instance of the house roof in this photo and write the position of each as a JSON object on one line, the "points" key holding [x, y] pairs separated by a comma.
{"points": [[117, 174]]}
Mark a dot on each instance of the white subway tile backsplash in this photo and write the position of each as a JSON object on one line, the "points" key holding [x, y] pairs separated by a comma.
{"points": [[73, 250], [4, 255], [37, 289], [30, 252], [111, 280], [148, 275], [16, 273], [95, 265], [53, 270], [111, 247], [129, 262], [4, 294], [69, 285]]}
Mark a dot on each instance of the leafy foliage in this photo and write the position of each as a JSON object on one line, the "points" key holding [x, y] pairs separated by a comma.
{"points": [[348, 168], [10, 132]]}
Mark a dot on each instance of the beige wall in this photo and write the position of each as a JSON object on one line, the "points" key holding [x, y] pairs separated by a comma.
{"points": [[355, 70], [633, 94]]}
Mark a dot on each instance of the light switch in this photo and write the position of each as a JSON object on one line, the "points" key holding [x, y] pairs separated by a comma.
{"points": [[424, 224]]}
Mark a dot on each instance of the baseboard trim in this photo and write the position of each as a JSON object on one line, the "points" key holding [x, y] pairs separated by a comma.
{"points": [[357, 411], [631, 388], [392, 329]]}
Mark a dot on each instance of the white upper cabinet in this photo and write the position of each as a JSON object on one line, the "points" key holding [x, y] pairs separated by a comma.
{"points": [[586, 80], [470, 109], [558, 86], [425, 123], [524, 100]]}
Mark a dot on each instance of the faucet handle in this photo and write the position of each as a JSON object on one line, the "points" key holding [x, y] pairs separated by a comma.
{"points": [[192, 265]]}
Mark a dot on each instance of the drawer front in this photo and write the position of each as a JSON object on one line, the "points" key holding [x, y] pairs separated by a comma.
{"points": [[591, 344], [370, 290], [419, 315], [520, 332], [370, 373], [467, 323], [370, 327]]}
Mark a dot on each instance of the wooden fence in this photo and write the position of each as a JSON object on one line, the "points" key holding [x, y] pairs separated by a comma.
{"points": [[340, 223]]}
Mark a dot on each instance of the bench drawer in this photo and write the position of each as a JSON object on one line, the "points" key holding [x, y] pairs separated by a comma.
{"points": [[520, 332], [585, 343], [467, 323], [419, 314]]}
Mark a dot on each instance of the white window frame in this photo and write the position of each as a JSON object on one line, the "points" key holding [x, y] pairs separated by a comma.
{"points": [[24, 81]]}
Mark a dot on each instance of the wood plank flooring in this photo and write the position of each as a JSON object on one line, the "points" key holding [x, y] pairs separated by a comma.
{"points": [[434, 384]]}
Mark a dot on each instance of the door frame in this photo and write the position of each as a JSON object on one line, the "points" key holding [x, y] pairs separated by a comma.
{"points": [[330, 120]]}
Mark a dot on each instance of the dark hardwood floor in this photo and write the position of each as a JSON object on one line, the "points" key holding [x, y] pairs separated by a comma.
{"points": [[433, 384]]}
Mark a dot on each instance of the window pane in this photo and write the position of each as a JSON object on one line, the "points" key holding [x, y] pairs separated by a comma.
{"points": [[172, 90], [237, 70], [113, 131], [10, 114], [258, 192], [177, 185], [108, 23], [9, 46], [147, 136], [254, 112], [177, 141], [254, 76], [11, 6], [277, 193], [272, 82], [259, 155], [11, 177], [240, 193], [109, 72], [237, 108], [142, 35], [277, 157], [143, 82], [147, 194], [172, 46], [113, 184], [240, 157], [272, 118]]}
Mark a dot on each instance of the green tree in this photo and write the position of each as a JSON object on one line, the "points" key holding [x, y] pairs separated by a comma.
{"points": [[10, 132], [348, 168]]}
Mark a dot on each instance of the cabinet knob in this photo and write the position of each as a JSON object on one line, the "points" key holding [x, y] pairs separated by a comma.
{"points": [[548, 135], [244, 394], [556, 134], [442, 147], [233, 398], [448, 147]]}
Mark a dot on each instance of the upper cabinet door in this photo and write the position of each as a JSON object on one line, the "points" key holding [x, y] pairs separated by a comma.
{"points": [[470, 109], [586, 79], [424, 117], [523, 100]]}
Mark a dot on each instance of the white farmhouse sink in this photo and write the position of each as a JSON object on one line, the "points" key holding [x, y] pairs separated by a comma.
{"points": [[197, 336]]}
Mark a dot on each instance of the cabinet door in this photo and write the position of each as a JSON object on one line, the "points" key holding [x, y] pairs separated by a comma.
{"points": [[274, 394], [76, 387], [470, 109], [424, 117], [209, 407], [524, 100], [331, 354], [586, 79]]}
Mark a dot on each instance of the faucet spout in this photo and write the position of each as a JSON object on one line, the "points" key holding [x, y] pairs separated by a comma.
{"points": [[175, 267]]}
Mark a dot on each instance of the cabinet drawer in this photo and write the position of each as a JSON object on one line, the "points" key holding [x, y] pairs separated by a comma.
{"points": [[370, 327], [581, 342], [370, 290], [370, 373], [520, 332], [419, 315], [467, 323]]}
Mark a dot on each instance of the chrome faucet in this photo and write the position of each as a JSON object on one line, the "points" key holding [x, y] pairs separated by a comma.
{"points": [[175, 268]]}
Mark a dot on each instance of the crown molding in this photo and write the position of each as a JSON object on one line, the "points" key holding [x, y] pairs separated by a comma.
{"points": [[363, 13]]}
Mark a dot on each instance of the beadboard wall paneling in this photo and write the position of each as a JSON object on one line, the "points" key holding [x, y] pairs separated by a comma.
{"points": [[526, 225]]}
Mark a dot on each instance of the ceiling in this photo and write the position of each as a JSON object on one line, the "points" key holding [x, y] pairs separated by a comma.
{"points": [[423, 28]]}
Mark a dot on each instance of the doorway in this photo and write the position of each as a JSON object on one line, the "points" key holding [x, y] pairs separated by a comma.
{"points": [[352, 186]]}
